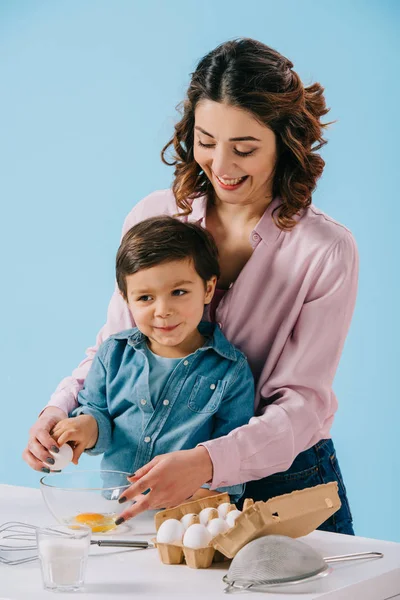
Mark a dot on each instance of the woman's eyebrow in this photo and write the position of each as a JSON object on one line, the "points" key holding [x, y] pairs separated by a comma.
{"points": [[246, 138]]}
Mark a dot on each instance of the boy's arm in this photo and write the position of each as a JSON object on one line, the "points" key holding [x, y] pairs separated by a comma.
{"points": [[93, 401], [81, 430], [235, 410]]}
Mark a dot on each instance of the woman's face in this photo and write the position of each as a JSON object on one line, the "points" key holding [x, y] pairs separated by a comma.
{"points": [[235, 151]]}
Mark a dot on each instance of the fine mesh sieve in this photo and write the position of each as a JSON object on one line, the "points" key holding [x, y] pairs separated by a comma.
{"points": [[275, 560]]}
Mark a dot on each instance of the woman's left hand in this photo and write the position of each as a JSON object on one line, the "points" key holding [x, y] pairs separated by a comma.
{"points": [[172, 479]]}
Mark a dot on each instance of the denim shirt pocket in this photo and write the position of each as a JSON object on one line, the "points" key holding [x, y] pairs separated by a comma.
{"points": [[206, 394]]}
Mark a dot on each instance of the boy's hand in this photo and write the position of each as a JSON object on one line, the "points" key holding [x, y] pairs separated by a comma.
{"points": [[82, 430]]}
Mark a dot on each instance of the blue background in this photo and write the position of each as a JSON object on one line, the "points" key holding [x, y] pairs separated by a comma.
{"points": [[88, 96]]}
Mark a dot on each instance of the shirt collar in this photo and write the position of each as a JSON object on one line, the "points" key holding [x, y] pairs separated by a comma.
{"points": [[199, 210], [265, 230], [215, 340]]}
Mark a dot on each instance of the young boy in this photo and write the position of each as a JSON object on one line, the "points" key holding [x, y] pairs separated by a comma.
{"points": [[174, 381]]}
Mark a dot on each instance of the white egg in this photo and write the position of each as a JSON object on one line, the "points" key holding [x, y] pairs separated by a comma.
{"points": [[232, 516], [216, 526], [186, 518], [61, 458], [196, 536], [223, 509], [204, 515], [170, 532]]}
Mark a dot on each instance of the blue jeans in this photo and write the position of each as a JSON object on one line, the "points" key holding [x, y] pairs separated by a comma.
{"points": [[312, 467]]}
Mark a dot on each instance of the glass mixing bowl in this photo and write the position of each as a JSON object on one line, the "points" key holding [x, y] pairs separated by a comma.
{"points": [[86, 498]]}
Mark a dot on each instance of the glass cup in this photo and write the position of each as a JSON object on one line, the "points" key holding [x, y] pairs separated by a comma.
{"points": [[63, 553]]}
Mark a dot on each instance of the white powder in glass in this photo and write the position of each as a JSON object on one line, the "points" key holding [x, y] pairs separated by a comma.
{"points": [[63, 561]]}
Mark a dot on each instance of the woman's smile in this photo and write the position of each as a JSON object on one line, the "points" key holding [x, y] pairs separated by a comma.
{"points": [[230, 184]]}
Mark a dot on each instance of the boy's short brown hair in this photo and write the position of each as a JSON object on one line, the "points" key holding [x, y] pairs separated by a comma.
{"points": [[163, 239]]}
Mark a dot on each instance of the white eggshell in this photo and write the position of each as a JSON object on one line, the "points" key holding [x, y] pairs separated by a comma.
{"points": [[216, 526], [186, 518], [232, 516], [196, 536], [61, 458], [204, 515], [170, 531], [223, 509]]}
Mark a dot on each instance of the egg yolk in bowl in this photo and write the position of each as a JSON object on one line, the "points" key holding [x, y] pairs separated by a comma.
{"points": [[96, 521]]}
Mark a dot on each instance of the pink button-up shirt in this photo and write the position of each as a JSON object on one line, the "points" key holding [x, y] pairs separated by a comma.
{"points": [[289, 311]]}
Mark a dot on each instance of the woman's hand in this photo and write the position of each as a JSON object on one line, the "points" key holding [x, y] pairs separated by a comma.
{"points": [[172, 479], [40, 440], [82, 430]]}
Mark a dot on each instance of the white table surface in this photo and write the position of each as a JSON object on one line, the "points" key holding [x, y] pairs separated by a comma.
{"points": [[115, 574]]}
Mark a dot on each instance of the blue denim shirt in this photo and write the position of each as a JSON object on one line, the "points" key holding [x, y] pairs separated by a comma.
{"points": [[209, 393]]}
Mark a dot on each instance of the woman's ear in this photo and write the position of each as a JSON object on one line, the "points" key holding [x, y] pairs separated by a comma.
{"points": [[210, 289]]}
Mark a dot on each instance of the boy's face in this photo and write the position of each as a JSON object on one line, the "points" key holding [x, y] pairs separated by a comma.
{"points": [[167, 303]]}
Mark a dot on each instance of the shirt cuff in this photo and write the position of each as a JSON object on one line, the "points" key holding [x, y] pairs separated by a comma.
{"points": [[225, 458], [103, 442], [63, 399]]}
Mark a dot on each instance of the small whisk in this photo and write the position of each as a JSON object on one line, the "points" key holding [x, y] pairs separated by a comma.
{"points": [[14, 532]]}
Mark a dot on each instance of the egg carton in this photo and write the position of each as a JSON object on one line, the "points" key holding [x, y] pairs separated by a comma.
{"points": [[175, 554], [294, 515]]}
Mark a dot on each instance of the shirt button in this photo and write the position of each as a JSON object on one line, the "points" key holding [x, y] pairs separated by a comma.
{"points": [[143, 402], [212, 386], [147, 439], [220, 325], [186, 362], [255, 237], [165, 402]]}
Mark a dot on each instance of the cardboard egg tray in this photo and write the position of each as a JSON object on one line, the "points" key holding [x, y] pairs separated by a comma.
{"points": [[294, 515]]}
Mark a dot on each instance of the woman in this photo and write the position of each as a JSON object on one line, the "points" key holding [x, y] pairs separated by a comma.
{"points": [[246, 164]]}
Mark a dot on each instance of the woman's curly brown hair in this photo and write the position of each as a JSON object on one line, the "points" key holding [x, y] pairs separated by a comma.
{"points": [[249, 75]]}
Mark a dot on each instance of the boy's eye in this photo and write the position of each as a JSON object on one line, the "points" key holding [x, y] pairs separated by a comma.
{"points": [[144, 299], [179, 292]]}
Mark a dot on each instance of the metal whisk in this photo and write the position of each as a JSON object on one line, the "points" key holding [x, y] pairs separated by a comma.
{"points": [[14, 532]]}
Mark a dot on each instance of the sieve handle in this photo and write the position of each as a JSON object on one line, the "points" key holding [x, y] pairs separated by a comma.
{"points": [[355, 556], [232, 588]]}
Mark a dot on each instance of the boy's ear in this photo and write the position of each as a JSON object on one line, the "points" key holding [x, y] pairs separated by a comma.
{"points": [[123, 295], [210, 289]]}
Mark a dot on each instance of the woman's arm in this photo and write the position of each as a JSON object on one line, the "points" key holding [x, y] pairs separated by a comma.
{"points": [[63, 401], [300, 389], [298, 399]]}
